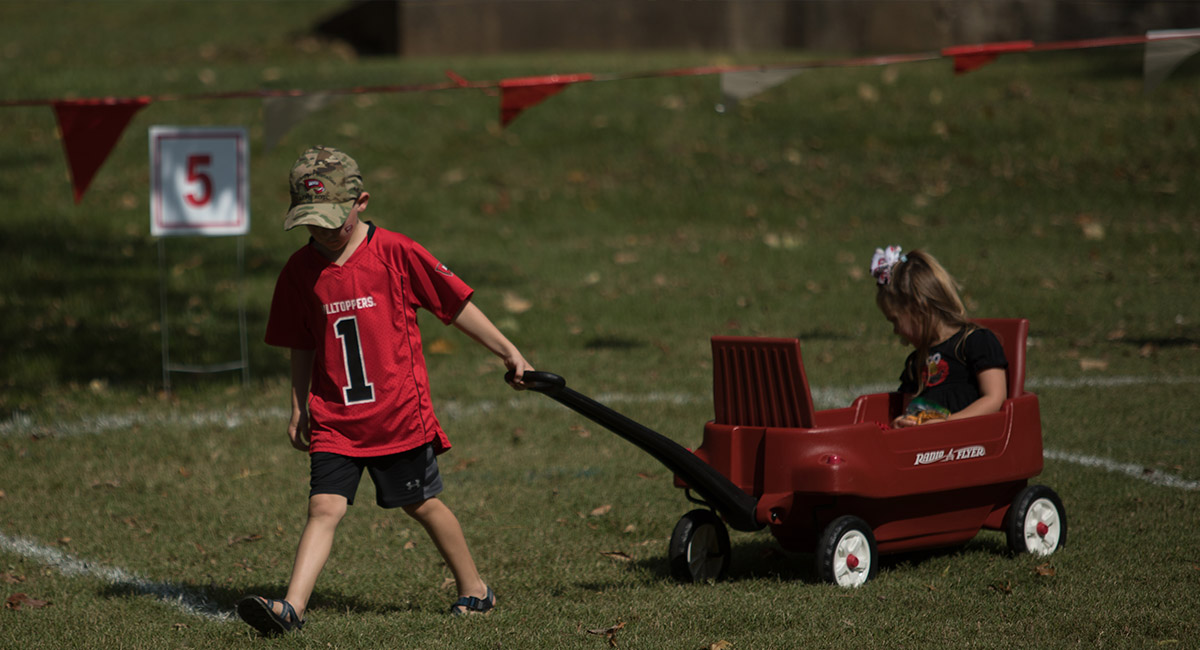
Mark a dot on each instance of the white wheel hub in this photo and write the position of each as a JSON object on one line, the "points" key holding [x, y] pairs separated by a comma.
{"points": [[704, 553], [852, 559], [1043, 526]]}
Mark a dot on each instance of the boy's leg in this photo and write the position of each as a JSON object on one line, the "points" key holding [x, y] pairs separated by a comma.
{"points": [[447, 535], [325, 511]]}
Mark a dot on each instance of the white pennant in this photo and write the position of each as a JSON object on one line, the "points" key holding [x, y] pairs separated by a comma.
{"points": [[280, 114], [739, 85], [1165, 51]]}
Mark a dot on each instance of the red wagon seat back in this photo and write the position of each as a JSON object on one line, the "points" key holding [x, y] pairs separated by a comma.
{"points": [[760, 382], [1013, 334]]}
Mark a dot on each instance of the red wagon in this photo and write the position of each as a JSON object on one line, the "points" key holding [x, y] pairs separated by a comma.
{"points": [[839, 483]]}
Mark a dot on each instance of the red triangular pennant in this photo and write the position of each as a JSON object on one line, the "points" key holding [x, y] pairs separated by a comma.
{"points": [[973, 57], [90, 129], [517, 95]]}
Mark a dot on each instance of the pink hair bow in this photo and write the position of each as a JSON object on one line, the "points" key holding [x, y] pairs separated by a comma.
{"points": [[883, 261]]}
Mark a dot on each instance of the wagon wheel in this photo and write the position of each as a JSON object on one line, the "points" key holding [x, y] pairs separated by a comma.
{"points": [[846, 553], [699, 549], [1036, 523]]}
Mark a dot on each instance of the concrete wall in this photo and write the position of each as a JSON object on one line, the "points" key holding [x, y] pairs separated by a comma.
{"points": [[447, 27]]}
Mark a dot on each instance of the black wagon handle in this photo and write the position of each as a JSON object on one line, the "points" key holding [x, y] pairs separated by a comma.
{"points": [[537, 380], [718, 491]]}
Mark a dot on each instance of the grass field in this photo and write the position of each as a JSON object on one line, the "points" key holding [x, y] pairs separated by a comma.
{"points": [[610, 232]]}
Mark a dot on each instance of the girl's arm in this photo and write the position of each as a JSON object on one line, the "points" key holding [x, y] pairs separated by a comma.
{"points": [[902, 420], [298, 432], [992, 393], [472, 321]]}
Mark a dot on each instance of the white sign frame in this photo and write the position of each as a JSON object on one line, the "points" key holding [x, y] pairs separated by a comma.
{"points": [[199, 181]]}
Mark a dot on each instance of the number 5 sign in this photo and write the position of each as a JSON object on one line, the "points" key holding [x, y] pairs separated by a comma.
{"points": [[199, 181]]}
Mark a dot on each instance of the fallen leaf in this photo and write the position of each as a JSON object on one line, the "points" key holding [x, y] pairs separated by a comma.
{"points": [[244, 539], [64, 540], [465, 463], [1044, 570], [1005, 588], [1093, 231], [17, 601], [180, 626], [609, 632], [601, 511], [440, 346], [1093, 364], [630, 528], [720, 645], [10, 578], [410, 545], [868, 93], [617, 555], [515, 304]]}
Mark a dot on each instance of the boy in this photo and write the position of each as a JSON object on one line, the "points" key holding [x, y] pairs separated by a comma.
{"points": [[346, 305]]}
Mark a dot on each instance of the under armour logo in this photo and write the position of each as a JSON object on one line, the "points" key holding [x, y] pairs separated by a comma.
{"points": [[412, 485]]}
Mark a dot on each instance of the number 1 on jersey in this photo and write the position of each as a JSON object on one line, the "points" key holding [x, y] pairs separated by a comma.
{"points": [[359, 390]]}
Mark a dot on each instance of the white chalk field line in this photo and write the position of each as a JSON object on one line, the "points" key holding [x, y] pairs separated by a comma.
{"points": [[197, 605], [176, 596]]}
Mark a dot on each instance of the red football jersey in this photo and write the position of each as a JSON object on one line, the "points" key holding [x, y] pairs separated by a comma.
{"points": [[370, 389]]}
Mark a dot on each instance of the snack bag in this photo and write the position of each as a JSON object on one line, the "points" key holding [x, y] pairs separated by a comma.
{"points": [[922, 411]]}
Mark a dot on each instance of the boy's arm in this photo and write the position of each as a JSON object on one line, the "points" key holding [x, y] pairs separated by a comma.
{"points": [[298, 432], [472, 321]]}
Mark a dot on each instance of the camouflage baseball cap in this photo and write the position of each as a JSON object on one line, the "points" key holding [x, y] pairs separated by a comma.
{"points": [[325, 183]]}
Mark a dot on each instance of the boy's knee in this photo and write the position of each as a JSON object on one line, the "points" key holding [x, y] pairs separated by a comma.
{"points": [[327, 506], [422, 510]]}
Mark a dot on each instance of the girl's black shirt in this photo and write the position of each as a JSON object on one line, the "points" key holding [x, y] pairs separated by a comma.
{"points": [[952, 368]]}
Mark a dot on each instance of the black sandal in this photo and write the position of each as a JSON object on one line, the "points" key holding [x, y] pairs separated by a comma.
{"points": [[259, 613], [473, 605]]}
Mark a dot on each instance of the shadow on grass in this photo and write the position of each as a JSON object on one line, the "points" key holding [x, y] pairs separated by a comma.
{"points": [[764, 559], [1163, 342], [85, 304], [222, 602]]}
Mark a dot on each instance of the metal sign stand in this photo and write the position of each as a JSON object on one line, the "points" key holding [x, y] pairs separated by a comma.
{"points": [[243, 363], [199, 185]]}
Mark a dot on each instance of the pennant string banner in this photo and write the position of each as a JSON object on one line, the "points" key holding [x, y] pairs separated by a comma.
{"points": [[972, 57], [91, 127], [517, 95]]}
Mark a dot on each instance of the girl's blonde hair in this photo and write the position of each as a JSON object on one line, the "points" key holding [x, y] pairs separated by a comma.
{"points": [[921, 288]]}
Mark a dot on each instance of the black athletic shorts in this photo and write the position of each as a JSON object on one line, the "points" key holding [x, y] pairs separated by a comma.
{"points": [[402, 479]]}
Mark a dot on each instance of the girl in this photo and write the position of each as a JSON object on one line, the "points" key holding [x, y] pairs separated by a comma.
{"points": [[958, 368]]}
